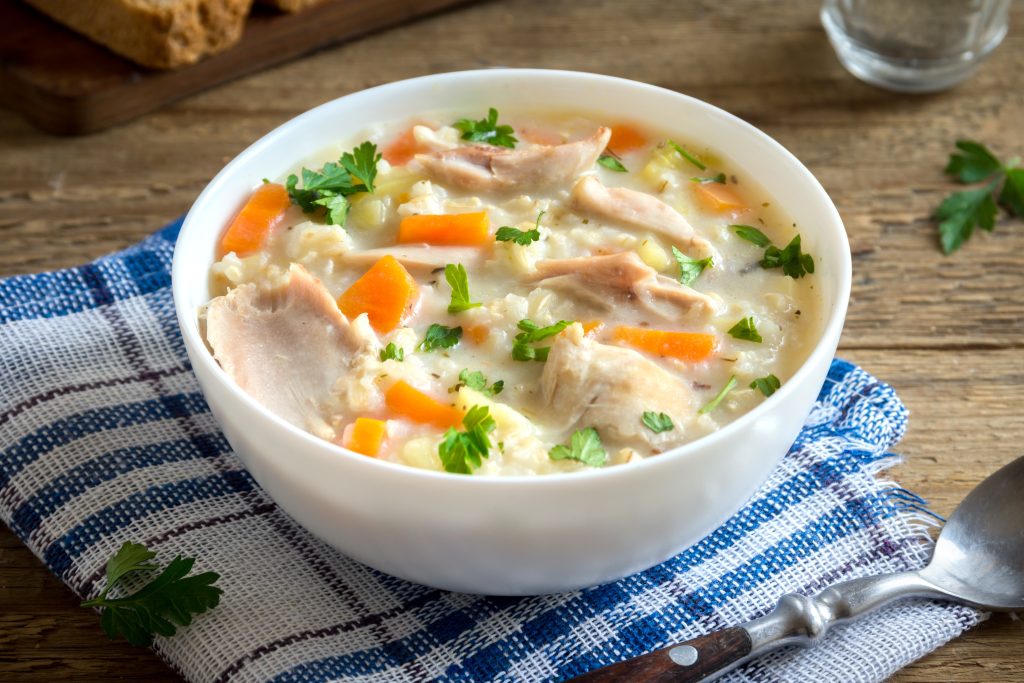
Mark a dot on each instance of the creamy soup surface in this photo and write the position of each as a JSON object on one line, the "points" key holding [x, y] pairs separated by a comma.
{"points": [[586, 293]]}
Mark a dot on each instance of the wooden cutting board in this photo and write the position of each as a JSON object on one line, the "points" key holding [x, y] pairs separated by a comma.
{"points": [[66, 84]]}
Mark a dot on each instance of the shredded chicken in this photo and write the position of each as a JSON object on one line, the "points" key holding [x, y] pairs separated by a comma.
{"points": [[486, 168], [587, 384], [608, 281], [287, 346], [637, 210], [418, 256]]}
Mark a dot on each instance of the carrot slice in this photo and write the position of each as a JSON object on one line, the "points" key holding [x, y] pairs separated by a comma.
{"points": [[718, 197], [412, 403], [625, 138], [401, 150], [249, 229], [385, 293], [592, 328], [478, 333], [365, 435], [689, 346], [462, 229]]}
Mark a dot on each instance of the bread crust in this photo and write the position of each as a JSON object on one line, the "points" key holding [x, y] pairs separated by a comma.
{"points": [[158, 34]]}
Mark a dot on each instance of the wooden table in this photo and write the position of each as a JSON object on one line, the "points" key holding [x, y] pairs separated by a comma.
{"points": [[948, 332]]}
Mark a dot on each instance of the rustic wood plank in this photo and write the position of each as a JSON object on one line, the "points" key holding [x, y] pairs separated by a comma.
{"points": [[946, 332]]}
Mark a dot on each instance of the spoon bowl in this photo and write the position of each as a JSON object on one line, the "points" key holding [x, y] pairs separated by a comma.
{"points": [[978, 560]]}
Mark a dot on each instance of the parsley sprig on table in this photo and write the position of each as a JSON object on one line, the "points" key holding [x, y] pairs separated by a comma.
{"points": [[961, 212], [172, 598], [331, 186], [585, 446], [487, 130], [462, 452]]}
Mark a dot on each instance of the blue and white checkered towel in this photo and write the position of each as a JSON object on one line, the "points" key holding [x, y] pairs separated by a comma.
{"points": [[105, 437]]}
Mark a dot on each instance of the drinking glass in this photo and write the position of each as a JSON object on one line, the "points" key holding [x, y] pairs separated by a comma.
{"points": [[914, 45]]}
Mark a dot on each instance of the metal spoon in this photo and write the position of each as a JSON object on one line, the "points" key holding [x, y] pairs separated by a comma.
{"points": [[978, 560]]}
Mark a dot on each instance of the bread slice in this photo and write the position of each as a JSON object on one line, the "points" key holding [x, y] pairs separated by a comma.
{"points": [[291, 5], [158, 33]]}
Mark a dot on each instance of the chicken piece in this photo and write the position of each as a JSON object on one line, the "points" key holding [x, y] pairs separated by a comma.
{"points": [[609, 281], [635, 209], [486, 168], [589, 384], [418, 256], [287, 346]]}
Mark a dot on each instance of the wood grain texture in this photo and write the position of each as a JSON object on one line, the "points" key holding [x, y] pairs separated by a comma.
{"points": [[947, 332]]}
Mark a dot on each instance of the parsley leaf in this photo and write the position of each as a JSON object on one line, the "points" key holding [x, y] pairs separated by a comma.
{"points": [[354, 172], [171, 598], [610, 162], [767, 385], [960, 212], [703, 180], [487, 130], [440, 337], [461, 452], [510, 234], [686, 155], [751, 234], [689, 268], [793, 262], [458, 280], [745, 329], [478, 382], [713, 403], [657, 422], [974, 162], [531, 333], [584, 446], [392, 352]]}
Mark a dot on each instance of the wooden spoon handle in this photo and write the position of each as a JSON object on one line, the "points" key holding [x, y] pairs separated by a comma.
{"points": [[694, 660]]}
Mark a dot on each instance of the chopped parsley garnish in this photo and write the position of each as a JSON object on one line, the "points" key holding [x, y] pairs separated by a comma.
{"points": [[458, 280], [745, 329], [461, 452], [487, 130], [440, 337], [392, 352], [171, 598], [584, 446], [793, 262], [532, 333], [690, 268], [657, 422], [510, 234], [713, 403], [767, 385], [751, 234], [329, 187], [720, 178], [686, 155], [474, 379], [961, 212], [610, 162]]}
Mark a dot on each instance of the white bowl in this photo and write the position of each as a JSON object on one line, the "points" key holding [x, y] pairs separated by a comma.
{"points": [[513, 535]]}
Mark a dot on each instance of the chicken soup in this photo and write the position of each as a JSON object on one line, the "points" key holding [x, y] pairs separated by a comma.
{"points": [[517, 294]]}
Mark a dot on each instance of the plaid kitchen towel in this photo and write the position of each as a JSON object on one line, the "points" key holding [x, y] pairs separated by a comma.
{"points": [[105, 437]]}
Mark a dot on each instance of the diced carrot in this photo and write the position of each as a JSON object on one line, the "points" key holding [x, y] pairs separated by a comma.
{"points": [[385, 293], [412, 403], [401, 150], [592, 328], [249, 229], [365, 435], [462, 229], [688, 346], [625, 138], [718, 197], [478, 333]]}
